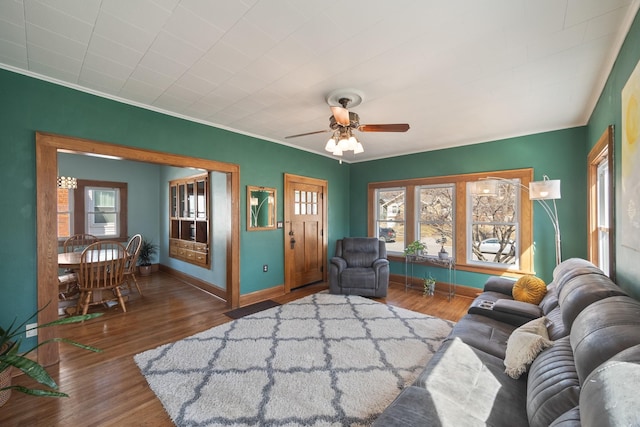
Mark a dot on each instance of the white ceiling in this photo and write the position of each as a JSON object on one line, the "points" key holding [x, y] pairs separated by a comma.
{"points": [[458, 71]]}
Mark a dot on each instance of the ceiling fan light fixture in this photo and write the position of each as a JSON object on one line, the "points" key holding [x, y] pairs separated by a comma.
{"points": [[331, 145], [358, 149], [343, 144], [353, 143], [337, 151]]}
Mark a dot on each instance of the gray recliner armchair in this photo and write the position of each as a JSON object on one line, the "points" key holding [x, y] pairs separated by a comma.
{"points": [[359, 267]]}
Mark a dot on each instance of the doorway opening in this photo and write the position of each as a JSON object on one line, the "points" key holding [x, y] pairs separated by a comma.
{"points": [[47, 146]]}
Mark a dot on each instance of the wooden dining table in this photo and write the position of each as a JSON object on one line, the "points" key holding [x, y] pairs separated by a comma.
{"points": [[71, 260]]}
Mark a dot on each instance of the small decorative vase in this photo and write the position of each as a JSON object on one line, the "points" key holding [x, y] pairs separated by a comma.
{"points": [[5, 381], [443, 254]]}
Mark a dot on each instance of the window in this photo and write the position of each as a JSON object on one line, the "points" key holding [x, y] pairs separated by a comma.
{"points": [[483, 233], [98, 208], [600, 212], [102, 210], [390, 221], [436, 208], [493, 223]]}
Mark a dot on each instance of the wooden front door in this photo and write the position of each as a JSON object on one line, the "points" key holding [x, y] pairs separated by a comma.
{"points": [[305, 243]]}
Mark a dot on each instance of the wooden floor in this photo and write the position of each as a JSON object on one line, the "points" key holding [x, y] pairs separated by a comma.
{"points": [[108, 389]]}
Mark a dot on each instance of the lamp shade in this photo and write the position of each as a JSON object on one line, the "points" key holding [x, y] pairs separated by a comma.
{"points": [[546, 189], [331, 145], [486, 187]]}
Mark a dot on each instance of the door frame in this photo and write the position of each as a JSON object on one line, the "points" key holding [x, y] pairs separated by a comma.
{"points": [[289, 263], [47, 146]]}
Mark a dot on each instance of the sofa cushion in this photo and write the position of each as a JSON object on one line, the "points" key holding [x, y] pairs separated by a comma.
{"points": [[467, 386], [581, 291], [529, 289], [573, 267], [484, 333], [359, 278], [552, 385], [571, 418], [602, 330], [415, 407], [609, 396], [555, 325], [550, 300], [360, 251], [524, 344]]}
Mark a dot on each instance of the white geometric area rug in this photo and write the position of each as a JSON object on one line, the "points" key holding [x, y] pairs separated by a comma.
{"points": [[323, 360]]}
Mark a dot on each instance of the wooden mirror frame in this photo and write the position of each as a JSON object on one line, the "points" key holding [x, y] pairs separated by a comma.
{"points": [[256, 208]]}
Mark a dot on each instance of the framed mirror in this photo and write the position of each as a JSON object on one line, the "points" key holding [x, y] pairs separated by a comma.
{"points": [[261, 208]]}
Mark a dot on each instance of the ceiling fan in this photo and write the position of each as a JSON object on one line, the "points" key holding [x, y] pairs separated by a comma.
{"points": [[343, 122]]}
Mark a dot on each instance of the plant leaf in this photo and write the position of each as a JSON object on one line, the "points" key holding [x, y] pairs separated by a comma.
{"points": [[30, 368], [35, 391], [72, 319]]}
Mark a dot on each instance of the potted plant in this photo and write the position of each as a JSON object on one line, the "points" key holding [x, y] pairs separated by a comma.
{"points": [[443, 254], [12, 357], [147, 250], [429, 285], [415, 248]]}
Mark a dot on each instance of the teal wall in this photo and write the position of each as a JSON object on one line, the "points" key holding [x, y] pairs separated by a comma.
{"points": [[29, 105], [608, 112], [560, 155]]}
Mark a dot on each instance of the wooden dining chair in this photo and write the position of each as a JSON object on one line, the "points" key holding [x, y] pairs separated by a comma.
{"points": [[68, 280], [101, 274], [78, 242], [133, 249]]}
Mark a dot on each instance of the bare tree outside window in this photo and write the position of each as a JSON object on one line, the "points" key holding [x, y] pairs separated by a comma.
{"points": [[435, 217], [494, 224]]}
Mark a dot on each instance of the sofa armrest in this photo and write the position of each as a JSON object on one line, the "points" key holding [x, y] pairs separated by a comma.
{"points": [[380, 263], [502, 285], [512, 312], [518, 308], [339, 263]]}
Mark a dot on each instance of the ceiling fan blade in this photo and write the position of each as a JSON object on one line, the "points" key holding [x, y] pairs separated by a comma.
{"points": [[341, 115], [396, 127], [308, 133]]}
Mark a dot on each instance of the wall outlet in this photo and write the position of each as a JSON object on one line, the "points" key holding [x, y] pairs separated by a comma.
{"points": [[31, 331], [265, 268]]}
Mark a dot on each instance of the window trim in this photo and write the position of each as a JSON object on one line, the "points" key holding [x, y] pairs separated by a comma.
{"points": [[525, 220], [79, 214], [604, 147]]}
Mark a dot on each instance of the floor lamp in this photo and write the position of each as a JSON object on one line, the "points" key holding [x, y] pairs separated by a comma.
{"points": [[540, 191]]}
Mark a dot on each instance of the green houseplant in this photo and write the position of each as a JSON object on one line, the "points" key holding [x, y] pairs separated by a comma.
{"points": [[10, 356], [429, 284], [147, 250], [414, 248]]}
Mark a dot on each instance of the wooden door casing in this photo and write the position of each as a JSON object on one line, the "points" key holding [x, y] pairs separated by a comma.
{"points": [[305, 223]]}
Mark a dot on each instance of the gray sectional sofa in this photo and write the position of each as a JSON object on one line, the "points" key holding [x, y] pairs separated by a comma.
{"points": [[588, 377]]}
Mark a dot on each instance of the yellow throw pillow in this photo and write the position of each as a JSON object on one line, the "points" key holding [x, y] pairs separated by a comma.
{"points": [[529, 289]]}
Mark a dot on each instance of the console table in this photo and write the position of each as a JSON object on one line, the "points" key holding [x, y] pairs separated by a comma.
{"points": [[448, 263]]}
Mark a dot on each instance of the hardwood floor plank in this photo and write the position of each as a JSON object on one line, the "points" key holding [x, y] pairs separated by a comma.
{"points": [[108, 389]]}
